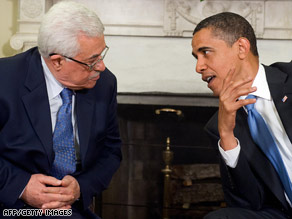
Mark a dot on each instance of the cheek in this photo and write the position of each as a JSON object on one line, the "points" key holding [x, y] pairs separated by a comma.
{"points": [[78, 76], [218, 67], [223, 66]]}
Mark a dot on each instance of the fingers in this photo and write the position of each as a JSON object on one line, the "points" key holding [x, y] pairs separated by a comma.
{"points": [[55, 190], [245, 102], [67, 180], [237, 88], [69, 191], [45, 191], [56, 205], [228, 79], [33, 193], [230, 100], [49, 180], [232, 77], [233, 88], [60, 198], [72, 185], [229, 76], [66, 207], [60, 187], [58, 193]]}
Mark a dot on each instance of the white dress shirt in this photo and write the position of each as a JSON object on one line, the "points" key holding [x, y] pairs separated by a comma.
{"points": [[266, 107], [54, 88]]}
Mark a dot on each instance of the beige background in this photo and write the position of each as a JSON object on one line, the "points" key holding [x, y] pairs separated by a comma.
{"points": [[141, 57], [8, 25]]}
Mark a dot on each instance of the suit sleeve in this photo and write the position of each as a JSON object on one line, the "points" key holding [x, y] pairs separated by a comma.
{"points": [[240, 185], [13, 178], [94, 180], [12, 182]]}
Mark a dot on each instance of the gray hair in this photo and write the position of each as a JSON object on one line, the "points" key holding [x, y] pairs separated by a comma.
{"points": [[62, 25]]}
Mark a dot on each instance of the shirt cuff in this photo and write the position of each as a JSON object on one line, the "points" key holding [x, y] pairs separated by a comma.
{"points": [[21, 193], [230, 156]]}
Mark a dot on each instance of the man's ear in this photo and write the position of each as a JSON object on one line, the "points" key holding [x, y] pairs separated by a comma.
{"points": [[244, 47], [57, 61]]}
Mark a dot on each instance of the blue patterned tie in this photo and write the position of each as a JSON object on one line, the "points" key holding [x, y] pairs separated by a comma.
{"points": [[63, 139], [265, 140]]}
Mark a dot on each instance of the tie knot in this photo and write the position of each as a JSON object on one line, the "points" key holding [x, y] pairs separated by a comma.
{"points": [[250, 106], [66, 95]]}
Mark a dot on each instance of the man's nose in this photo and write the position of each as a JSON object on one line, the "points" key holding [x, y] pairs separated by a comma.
{"points": [[200, 66], [100, 66]]}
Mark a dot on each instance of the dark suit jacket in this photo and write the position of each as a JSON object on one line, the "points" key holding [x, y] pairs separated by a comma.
{"points": [[254, 183], [26, 129]]}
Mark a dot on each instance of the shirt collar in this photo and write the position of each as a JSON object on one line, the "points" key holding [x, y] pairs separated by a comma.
{"points": [[260, 82], [54, 87]]}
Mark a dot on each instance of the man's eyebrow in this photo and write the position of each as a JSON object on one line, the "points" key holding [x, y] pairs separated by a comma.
{"points": [[204, 48], [93, 57]]}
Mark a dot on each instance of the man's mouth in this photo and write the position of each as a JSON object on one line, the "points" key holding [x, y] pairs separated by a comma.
{"points": [[96, 74], [209, 79]]}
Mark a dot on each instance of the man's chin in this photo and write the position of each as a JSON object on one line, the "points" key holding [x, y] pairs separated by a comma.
{"points": [[215, 93], [89, 85], [95, 77]]}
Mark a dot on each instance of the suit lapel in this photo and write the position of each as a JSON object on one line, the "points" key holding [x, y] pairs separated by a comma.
{"points": [[280, 86], [84, 112], [258, 160], [37, 104]]}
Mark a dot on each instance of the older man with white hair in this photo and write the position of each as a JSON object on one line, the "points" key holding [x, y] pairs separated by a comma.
{"points": [[59, 136]]}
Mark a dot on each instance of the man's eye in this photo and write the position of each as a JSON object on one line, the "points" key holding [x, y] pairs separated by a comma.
{"points": [[92, 62], [96, 60], [206, 52]]}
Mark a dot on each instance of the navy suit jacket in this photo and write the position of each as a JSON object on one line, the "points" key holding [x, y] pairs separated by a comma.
{"points": [[254, 183], [26, 145]]}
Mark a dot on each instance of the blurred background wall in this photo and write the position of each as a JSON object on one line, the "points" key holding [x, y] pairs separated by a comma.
{"points": [[150, 40], [8, 25]]}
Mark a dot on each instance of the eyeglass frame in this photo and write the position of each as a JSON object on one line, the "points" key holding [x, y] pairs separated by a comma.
{"points": [[90, 67]]}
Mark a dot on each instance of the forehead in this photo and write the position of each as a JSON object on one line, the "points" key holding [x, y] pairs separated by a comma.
{"points": [[90, 46], [206, 38]]}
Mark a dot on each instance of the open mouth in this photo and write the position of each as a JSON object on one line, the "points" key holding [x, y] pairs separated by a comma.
{"points": [[209, 79]]}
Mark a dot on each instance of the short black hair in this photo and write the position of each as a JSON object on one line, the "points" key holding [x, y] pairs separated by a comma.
{"points": [[230, 27]]}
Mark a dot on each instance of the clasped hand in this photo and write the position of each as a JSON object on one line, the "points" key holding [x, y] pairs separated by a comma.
{"points": [[47, 192]]}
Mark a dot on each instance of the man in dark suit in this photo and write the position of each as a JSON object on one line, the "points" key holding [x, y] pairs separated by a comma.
{"points": [[70, 53], [227, 58]]}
